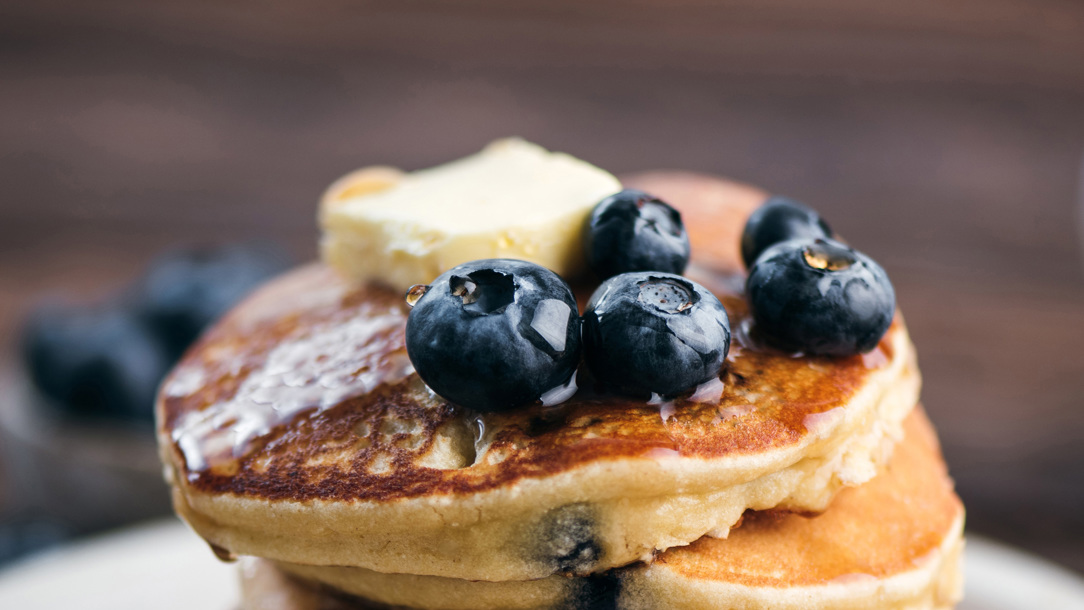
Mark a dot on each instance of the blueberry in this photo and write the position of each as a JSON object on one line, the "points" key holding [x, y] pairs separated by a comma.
{"points": [[494, 334], [97, 361], [601, 591], [634, 231], [654, 332], [819, 296], [779, 219], [567, 539], [185, 291]]}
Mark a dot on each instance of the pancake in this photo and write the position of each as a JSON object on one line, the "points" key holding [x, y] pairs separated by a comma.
{"points": [[894, 542], [296, 430]]}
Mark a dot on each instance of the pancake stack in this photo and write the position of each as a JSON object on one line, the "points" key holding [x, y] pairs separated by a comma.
{"points": [[297, 437]]}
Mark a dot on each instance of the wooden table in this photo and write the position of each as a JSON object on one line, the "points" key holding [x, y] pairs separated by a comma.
{"points": [[944, 141]]}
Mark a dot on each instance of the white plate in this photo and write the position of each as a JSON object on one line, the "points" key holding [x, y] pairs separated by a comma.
{"points": [[165, 566], [161, 565], [999, 577]]}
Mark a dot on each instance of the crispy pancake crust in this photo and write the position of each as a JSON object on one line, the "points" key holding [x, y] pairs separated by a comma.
{"points": [[297, 430], [892, 543]]}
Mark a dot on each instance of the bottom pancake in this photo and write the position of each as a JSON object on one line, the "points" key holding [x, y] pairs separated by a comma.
{"points": [[895, 542]]}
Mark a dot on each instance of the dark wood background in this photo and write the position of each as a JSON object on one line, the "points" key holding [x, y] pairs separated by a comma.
{"points": [[943, 138]]}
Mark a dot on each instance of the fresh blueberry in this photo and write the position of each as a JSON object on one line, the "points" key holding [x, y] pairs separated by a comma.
{"points": [[654, 332], [494, 334], [185, 291], [779, 219], [819, 296], [98, 361], [634, 231]]}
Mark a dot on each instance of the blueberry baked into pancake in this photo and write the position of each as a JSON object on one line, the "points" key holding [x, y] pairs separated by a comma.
{"points": [[514, 382]]}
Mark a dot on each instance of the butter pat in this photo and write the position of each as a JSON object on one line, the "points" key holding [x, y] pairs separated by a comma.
{"points": [[512, 200]]}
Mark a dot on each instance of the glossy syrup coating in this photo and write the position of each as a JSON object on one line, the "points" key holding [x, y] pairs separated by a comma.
{"points": [[351, 419]]}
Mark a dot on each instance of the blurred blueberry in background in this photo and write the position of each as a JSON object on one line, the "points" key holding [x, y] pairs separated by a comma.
{"points": [[94, 360], [184, 291], [107, 359]]}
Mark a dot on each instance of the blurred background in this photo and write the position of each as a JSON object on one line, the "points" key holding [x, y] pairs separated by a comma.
{"points": [[943, 138]]}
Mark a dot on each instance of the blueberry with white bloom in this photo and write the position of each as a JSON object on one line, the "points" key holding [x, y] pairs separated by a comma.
{"points": [[779, 219], [494, 334], [654, 332], [820, 297]]}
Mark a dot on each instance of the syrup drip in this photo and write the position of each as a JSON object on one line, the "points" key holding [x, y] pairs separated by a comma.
{"points": [[875, 359], [817, 423], [711, 391], [415, 294], [708, 393], [561, 393], [224, 555], [482, 438]]}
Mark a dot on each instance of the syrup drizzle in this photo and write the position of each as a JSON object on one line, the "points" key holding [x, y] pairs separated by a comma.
{"points": [[313, 372], [360, 347]]}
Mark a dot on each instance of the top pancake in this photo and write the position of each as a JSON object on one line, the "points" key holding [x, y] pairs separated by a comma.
{"points": [[297, 430]]}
